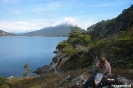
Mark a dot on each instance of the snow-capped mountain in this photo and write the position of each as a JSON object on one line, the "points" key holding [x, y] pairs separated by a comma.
{"points": [[59, 30]]}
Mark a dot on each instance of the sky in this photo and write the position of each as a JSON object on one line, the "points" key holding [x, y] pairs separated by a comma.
{"points": [[29, 15]]}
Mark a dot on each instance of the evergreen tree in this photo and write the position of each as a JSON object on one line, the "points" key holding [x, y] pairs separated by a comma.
{"points": [[27, 70]]}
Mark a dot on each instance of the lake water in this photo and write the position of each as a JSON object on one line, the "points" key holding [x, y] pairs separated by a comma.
{"points": [[17, 51]]}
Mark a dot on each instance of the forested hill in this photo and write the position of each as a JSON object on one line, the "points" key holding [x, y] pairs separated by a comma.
{"points": [[3, 33], [113, 26]]}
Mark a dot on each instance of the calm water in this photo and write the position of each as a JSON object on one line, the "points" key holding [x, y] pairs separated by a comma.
{"points": [[16, 51]]}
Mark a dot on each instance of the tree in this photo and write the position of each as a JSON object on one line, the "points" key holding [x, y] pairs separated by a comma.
{"points": [[76, 47], [78, 37], [77, 41], [27, 70]]}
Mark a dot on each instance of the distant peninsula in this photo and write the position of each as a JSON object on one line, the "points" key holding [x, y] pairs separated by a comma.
{"points": [[3, 33]]}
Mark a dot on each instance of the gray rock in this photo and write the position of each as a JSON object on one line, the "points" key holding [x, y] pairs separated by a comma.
{"points": [[53, 66]]}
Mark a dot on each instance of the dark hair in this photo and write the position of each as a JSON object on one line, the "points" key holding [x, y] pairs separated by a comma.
{"points": [[102, 59]]}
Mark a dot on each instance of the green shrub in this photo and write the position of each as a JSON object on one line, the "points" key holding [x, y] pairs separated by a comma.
{"points": [[4, 83]]}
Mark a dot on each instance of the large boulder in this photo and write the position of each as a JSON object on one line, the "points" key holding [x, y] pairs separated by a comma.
{"points": [[53, 66]]}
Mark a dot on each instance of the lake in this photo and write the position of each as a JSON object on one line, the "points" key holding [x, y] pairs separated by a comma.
{"points": [[17, 51]]}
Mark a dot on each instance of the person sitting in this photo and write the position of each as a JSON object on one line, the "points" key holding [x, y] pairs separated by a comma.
{"points": [[104, 67]]}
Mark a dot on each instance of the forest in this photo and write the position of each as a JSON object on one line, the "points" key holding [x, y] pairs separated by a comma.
{"points": [[112, 39]]}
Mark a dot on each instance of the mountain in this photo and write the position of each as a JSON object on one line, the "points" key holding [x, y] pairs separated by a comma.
{"points": [[59, 30], [3, 33]]}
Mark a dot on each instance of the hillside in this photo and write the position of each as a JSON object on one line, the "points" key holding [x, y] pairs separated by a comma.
{"points": [[3, 33], [112, 26], [111, 40], [59, 30]]}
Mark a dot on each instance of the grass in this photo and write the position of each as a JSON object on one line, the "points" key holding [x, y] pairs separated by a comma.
{"points": [[35, 82], [123, 72], [54, 80]]}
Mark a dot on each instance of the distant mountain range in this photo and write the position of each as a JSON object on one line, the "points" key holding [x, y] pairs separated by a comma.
{"points": [[3, 33], [59, 30]]}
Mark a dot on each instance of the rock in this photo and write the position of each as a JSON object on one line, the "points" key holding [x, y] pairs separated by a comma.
{"points": [[77, 80], [53, 66], [10, 78], [125, 80]]}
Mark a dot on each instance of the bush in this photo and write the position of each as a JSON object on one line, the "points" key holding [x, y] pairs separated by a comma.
{"points": [[4, 83]]}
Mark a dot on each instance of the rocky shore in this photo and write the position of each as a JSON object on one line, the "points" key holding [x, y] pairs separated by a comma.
{"points": [[76, 82], [58, 59]]}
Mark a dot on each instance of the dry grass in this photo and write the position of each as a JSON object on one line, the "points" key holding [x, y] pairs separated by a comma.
{"points": [[35, 82], [123, 72], [51, 81], [54, 81]]}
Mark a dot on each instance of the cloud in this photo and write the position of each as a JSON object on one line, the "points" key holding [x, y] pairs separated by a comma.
{"points": [[41, 7], [76, 21], [70, 20], [25, 26], [18, 26], [53, 5], [37, 24], [79, 22]]}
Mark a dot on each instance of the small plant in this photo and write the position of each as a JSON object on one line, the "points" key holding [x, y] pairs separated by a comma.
{"points": [[4, 83], [27, 70]]}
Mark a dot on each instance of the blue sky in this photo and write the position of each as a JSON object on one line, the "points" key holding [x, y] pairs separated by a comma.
{"points": [[30, 15]]}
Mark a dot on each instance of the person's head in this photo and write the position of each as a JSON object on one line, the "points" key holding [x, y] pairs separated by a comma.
{"points": [[102, 59]]}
